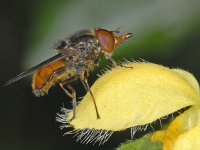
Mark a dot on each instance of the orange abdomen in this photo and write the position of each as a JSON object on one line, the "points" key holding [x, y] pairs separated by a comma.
{"points": [[44, 79]]}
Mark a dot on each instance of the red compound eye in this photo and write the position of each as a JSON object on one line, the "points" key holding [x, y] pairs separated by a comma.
{"points": [[106, 39], [109, 41]]}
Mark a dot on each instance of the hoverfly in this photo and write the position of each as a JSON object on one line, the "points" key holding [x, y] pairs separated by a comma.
{"points": [[77, 55]]}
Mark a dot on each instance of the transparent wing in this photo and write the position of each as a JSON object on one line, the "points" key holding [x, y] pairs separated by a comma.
{"points": [[33, 69]]}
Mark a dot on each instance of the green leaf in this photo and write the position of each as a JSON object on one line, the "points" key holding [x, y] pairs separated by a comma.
{"points": [[143, 143]]}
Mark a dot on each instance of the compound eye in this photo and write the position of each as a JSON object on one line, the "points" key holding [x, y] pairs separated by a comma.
{"points": [[106, 39]]}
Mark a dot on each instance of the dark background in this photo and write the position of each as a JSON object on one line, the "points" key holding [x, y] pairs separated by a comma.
{"points": [[28, 122]]}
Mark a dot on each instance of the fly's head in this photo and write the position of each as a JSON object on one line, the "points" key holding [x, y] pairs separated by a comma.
{"points": [[109, 41]]}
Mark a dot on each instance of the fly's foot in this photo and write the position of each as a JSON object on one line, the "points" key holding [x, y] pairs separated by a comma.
{"points": [[98, 117]]}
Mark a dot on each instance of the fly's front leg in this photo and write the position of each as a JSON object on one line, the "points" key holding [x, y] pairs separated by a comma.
{"points": [[72, 95], [113, 62], [87, 88]]}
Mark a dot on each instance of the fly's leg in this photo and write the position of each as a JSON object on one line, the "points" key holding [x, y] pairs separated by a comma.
{"points": [[113, 62], [72, 95], [87, 88]]}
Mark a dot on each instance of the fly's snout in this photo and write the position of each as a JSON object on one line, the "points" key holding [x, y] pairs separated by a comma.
{"points": [[128, 35]]}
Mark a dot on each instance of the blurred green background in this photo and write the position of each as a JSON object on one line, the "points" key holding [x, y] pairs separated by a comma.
{"points": [[165, 32]]}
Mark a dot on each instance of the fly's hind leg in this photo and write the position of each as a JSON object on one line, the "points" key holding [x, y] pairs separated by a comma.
{"points": [[72, 95], [87, 88]]}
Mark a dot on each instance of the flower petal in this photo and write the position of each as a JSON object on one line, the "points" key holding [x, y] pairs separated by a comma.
{"points": [[189, 140], [128, 97], [190, 78], [181, 128]]}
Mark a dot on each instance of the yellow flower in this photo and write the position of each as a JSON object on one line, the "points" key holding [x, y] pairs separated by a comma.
{"points": [[131, 98], [183, 133]]}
